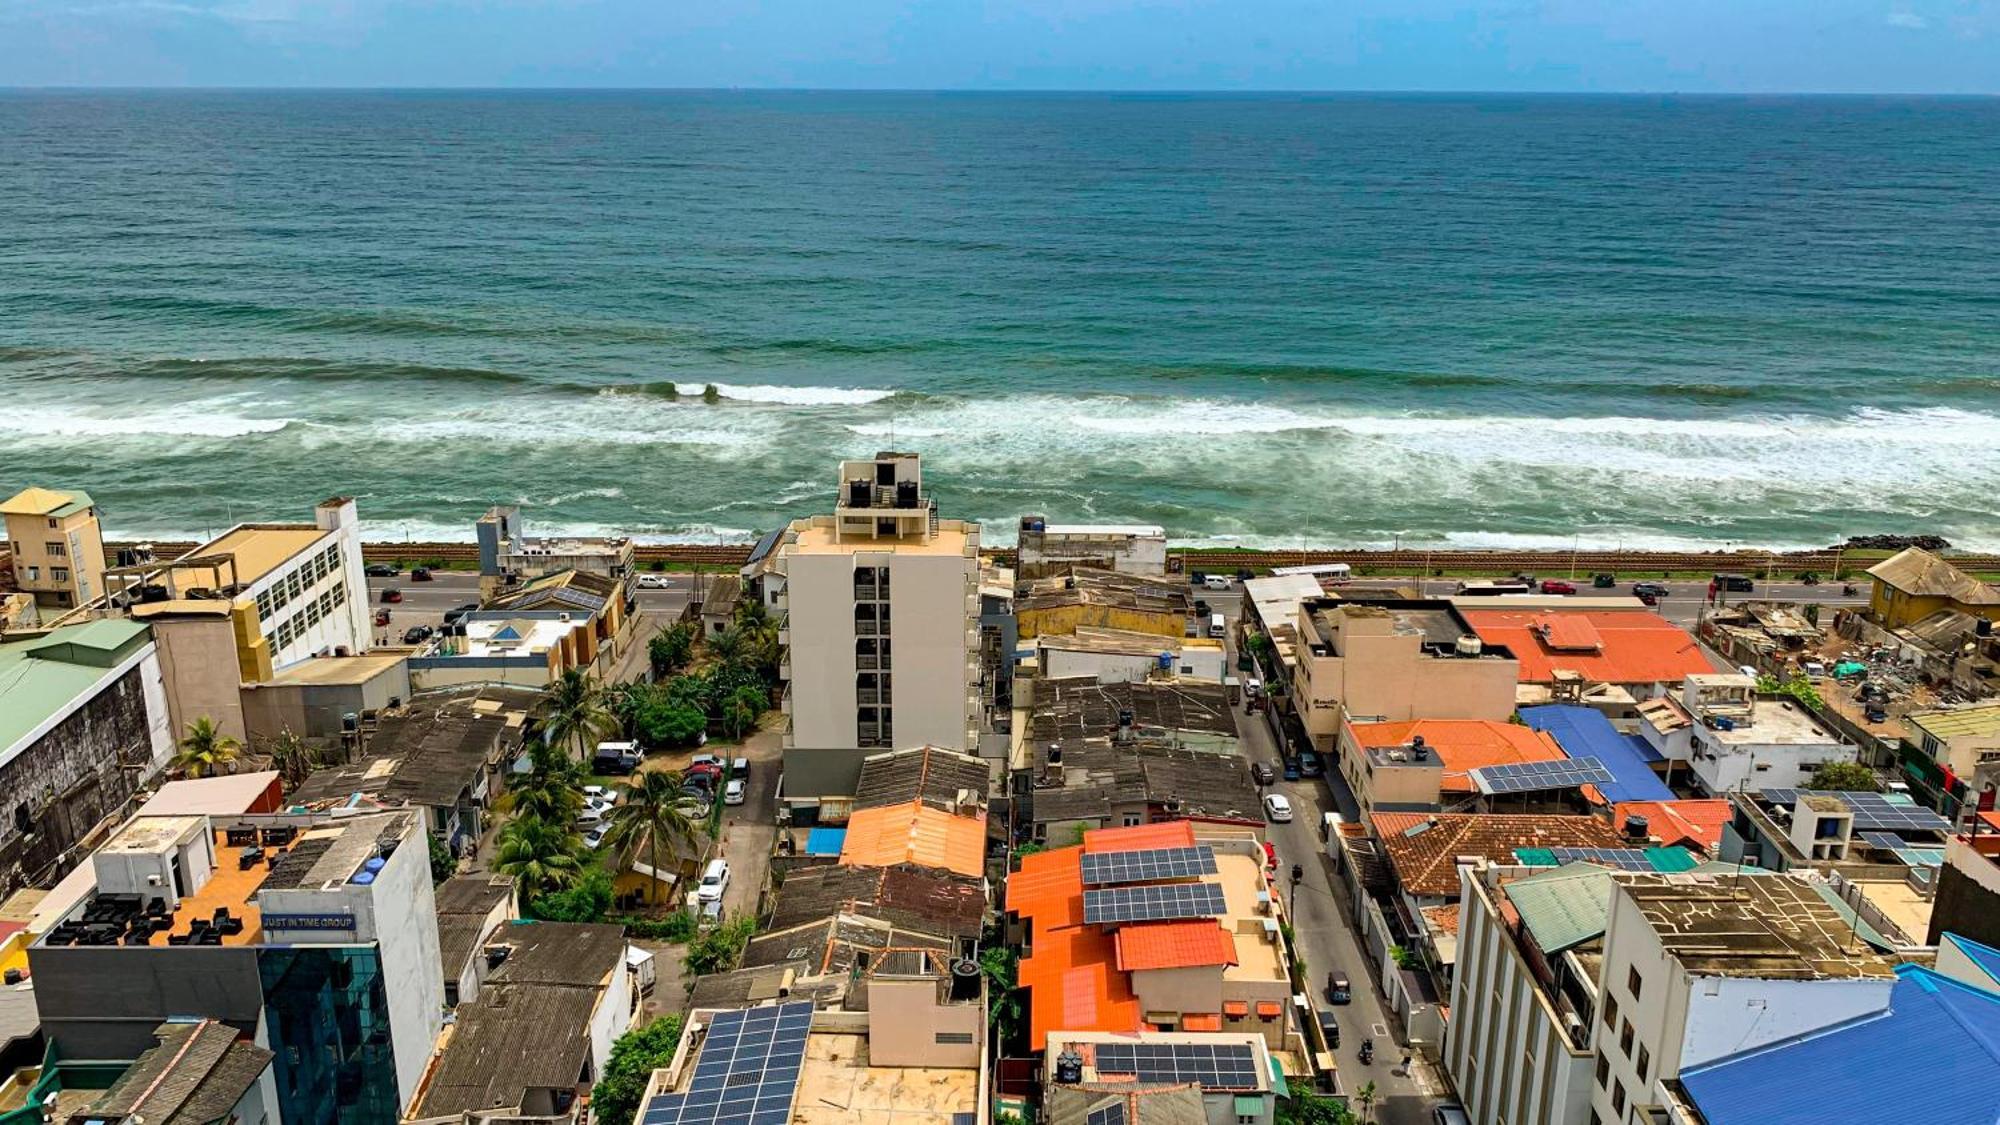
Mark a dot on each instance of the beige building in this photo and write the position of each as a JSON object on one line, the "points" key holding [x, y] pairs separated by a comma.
{"points": [[58, 550], [1394, 660], [881, 608]]}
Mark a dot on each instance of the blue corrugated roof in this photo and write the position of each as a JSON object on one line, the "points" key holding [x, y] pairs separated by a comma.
{"points": [[1586, 733], [825, 841], [1933, 1057], [1984, 956]]}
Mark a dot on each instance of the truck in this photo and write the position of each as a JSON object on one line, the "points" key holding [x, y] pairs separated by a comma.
{"points": [[639, 965]]}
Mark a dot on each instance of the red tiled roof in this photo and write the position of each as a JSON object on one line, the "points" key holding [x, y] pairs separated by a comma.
{"points": [[1697, 822], [1201, 1021], [1631, 648], [1174, 945], [1464, 744], [1426, 863], [1140, 837]]}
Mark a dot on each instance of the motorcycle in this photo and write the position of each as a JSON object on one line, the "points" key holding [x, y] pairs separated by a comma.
{"points": [[1849, 590], [1367, 1051]]}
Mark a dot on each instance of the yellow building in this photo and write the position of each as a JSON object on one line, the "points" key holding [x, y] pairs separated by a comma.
{"points": [[1914, 584], [1102, 599], [58, 549]]}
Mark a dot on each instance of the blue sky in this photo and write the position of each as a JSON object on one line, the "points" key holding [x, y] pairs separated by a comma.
{"points": [[1929, 46]]}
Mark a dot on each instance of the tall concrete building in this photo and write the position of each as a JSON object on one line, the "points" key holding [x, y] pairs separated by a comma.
{"points": [[881, 604], [58, 551]]}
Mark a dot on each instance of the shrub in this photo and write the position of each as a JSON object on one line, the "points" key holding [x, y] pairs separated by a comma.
{"points": [[585, 902], [675, 927], [634, 1057], [718, 950]]}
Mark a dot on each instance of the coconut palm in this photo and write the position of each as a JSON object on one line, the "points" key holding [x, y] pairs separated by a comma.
{"points": [[552, 789], [539, 856], [206, 751], [1366, 1095], [650, 815], [295, 758], [572, 713]]}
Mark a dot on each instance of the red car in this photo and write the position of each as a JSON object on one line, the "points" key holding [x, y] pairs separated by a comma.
{"points": [[1552, 586]]}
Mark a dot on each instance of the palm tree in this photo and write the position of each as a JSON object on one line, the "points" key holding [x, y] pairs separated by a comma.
{"points": [[552, 789], [1366, 1095], [651, 814], [205, 751], [540, 856], [295, 759], [572, 712]]}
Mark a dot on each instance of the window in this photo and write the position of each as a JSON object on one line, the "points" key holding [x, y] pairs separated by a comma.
{"points": [[55, 549], [1610, 1011], [1625, 1040], [1618, 1099], [1603, 1072], [55, 523], [1645, 1062], [22, 823], [59, 573], [34, 574], [953, 1038], [1632, 982], [340, 595], [1132, 821]]}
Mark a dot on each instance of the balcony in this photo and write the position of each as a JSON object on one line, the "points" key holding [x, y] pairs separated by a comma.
{"points": [[867, 662], [870, 695]]}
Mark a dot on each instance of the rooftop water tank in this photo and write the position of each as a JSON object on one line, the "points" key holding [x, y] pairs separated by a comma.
{"points": [[1468, 645], [363, 878]]}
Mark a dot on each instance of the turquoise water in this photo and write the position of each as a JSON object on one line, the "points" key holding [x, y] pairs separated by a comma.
{"points": [[1347, 319]]}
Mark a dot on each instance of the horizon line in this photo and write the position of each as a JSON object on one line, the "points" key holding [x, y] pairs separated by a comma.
{"points": [[1136, 91]]}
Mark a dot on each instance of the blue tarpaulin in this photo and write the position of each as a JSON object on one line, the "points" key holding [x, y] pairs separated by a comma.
{"points": [[1585, 733], [825, 841]]}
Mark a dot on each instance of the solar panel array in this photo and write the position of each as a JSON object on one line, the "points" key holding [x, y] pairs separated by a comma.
{"points": [[1113, 1114], [1529, 777], [1887, 840], [1625, 859], [747, 1073], [1150, 904], [1217, 1066], [1871, 811], [1104, 868]]}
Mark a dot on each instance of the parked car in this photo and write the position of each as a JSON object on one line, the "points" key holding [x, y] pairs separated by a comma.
{"points": [[655, 582], [1291, 769], [1648, 598], [739, 767], [391, 595], [458, 614], [380, 570], [1557, 586], [1311, 764], [1338, 990], [421, 574], [735, 793], [705, 760], [417, 634], [598, 793], [1604, 581], [1277, 808], [714, 881], [594, 838], [616, 757], [1450, 1113], [590, 816], [1215, 581], [1263, 773], [1329, 1027]]}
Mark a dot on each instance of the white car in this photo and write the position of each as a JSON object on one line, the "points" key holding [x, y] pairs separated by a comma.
{"points": [[655, 582], [1277, 808], [734, 793], [594, 838], [714, 881], [598, 795]]}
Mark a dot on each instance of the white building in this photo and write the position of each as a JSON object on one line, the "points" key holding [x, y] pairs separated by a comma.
{"points": [[1735, 738], [1116, 656], [1050, 548], [881, 609], [1580, 992]]}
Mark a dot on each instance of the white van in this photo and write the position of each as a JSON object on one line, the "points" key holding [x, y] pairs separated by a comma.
{"points": [[1215, 581], [1218, 626], [714, 881]]}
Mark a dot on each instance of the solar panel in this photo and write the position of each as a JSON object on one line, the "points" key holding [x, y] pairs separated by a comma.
{"points": [[1113, 1114], [1217, 1066], [1887, 840], [1624, 859], [1103, 868], [1147, 904], [1871, 811], [747, 1073], [1530, 777]]}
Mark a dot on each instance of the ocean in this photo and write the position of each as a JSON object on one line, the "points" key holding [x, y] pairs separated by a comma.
{"points": [[1267, 320]]}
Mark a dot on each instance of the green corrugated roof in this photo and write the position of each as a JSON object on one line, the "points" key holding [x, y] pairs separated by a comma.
{"points": [[1671, 860], [1278, 1084], [39, 678], [1535, 857], [1564, 907], [1981, 720]]}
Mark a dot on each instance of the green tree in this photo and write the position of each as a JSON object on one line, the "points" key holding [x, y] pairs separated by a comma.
{"points": [[1851, 777], [1305, 1108], [650, 817], [551, 791], [671, 648], [661, 720], [634, 1057], [1003, 999], [294, 758], [572, 713], [740, 710], [443, 864], [586, 900], [718, 950], [1366, 1095], [206, 751], [540, 857]]}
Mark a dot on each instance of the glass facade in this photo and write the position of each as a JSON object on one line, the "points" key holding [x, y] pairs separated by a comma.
{"points": [[327, 1015]]}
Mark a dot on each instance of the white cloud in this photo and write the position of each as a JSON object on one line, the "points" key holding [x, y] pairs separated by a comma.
{"points": [[1909, 20]]}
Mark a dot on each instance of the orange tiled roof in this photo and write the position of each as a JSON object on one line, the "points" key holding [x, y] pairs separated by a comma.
{"points": [[1630, 648], [1074, 986], [915, 833], [1140, 837], [1464, 744], [1427, 863], [1236, 1009], [1201, 1021], [1697, 822], [1173, 945]]}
